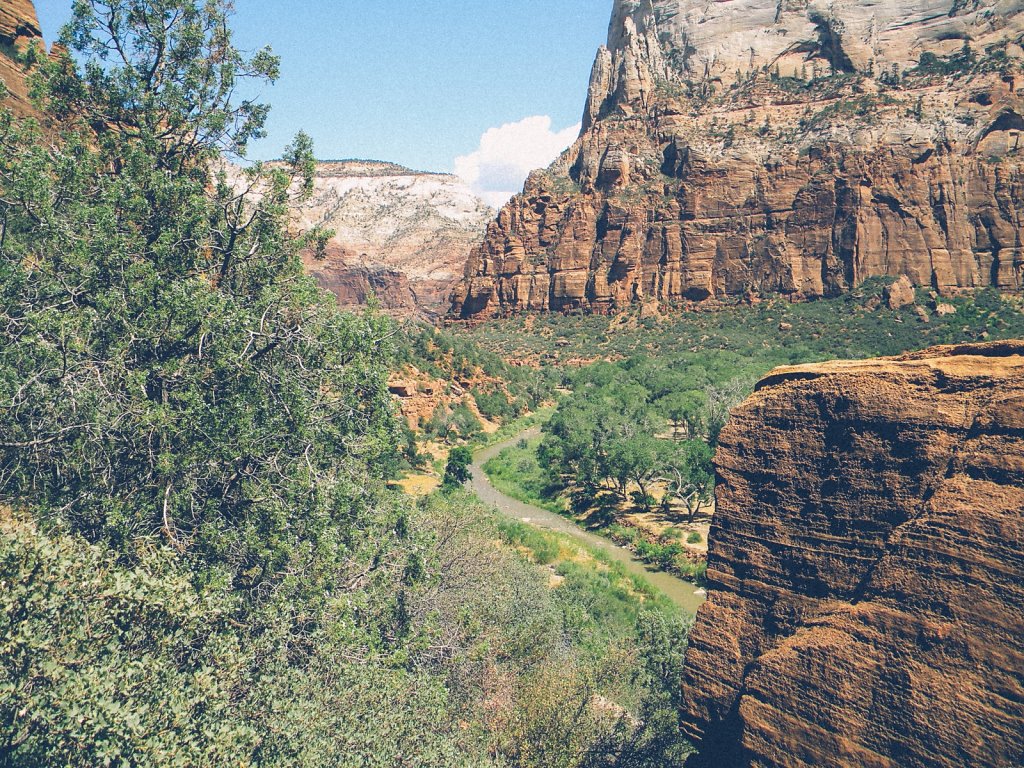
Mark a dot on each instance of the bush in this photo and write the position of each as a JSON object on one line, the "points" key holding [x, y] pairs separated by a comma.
{"points": [[456, 472], [495, 405], [103, 665]]}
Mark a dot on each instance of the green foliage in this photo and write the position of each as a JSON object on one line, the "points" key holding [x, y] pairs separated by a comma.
{"points": [[690, 475], [625, 646], [166, 370], [685, 410], [604, 436], [456, 471], [665, 553], [694, 538], [593, 680], [495, 405], [959, 63], [516, 472], [451, 424], [464, 422], [206, 567], [501, 391], [742, 343], [101, 665], [105, 663], [542, 545]]}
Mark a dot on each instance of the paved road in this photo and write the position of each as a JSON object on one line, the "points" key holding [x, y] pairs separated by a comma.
{"points": [[680, 591]]}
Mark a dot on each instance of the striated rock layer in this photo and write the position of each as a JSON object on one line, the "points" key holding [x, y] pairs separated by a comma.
{"points": [[866, 568], [755, 146], [402, 235], [19, 28]]}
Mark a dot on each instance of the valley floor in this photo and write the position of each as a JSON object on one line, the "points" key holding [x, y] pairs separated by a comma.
{"points": [[683, 593]]}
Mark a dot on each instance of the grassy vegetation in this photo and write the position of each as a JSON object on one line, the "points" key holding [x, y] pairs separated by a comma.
{"points": [[746, 341], [590, 572], [518, 425], [666, 552], [638, 424], [516, 472], [501, 391]]}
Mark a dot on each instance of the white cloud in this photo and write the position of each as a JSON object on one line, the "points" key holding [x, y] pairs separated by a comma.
{"points": [[497, 169]]}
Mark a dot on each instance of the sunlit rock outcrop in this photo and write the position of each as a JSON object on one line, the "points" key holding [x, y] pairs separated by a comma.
{"points": [[866, 574], [794, 147]]}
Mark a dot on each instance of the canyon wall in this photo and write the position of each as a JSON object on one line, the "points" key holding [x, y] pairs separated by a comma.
{"points": [[774, 146], [402, 234], [866, 568], [19, 28]]}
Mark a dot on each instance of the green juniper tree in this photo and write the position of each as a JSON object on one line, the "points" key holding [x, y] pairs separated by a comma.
{"points": [[456, 471], [167, 372]]}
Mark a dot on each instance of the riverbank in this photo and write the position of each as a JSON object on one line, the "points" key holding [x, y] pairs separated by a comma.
{"points": [[683, 593]]}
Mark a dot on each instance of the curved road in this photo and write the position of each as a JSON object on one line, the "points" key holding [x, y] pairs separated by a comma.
{"points": [[681, 592]]}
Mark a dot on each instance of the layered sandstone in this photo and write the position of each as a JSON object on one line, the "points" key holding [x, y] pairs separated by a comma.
{"points": [[756, 146], [19, 28], [401, 235], [866, 569]]}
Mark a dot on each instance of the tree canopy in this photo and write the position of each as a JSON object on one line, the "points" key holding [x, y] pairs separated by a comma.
{"points": [[166, 369], [204, 564]]}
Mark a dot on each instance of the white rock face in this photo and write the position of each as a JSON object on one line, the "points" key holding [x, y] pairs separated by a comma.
{"points": [[716, 39], [415, 227]]}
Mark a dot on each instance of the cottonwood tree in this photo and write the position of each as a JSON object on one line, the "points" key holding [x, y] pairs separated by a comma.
{"points": [[689, 476], [686, 411]]}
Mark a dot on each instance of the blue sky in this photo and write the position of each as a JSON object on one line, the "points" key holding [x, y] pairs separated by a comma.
{"points": [[420, 82]]}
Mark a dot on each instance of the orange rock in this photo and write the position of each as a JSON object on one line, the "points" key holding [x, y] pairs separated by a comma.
{"points": [[19, 28], [866, 575], [719, 159], [900, 293]]}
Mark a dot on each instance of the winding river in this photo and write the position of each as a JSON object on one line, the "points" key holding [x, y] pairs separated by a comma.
{"points": [[681, 592]]}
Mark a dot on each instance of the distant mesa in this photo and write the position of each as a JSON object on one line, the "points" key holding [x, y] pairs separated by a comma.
{"points": [[370, 168], [402, 236], [751, 147]]}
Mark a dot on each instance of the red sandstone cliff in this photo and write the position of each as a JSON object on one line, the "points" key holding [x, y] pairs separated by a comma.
{"points": [[866, 568], [19, 28], [796, 147]]}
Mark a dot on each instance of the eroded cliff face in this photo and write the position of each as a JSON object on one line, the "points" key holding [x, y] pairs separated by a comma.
{"points": [[400, 234], [19, 28], [866, 568], [797, 147]]}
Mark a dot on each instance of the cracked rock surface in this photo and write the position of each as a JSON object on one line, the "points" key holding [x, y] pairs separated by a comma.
{"points": [[866, 574]]}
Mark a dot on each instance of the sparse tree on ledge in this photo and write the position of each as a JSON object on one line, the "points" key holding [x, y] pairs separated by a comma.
{"points": [[690, 478]]}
